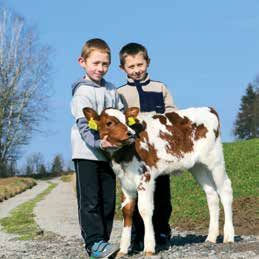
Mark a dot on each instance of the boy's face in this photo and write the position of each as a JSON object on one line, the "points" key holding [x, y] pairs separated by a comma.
{"points": [[96, 65], [136, 66]]}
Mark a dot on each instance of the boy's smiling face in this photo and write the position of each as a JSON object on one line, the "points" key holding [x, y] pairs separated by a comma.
{"points": [[96, 65], [136, 66]]}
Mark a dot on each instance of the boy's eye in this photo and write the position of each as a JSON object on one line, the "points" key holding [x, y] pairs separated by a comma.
{"points": [[109, 123]]}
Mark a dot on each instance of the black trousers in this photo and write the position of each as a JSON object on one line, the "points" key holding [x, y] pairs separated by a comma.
{"points": [[96, 187], [161, 214]]}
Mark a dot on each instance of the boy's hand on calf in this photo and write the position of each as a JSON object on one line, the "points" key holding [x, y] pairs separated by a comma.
{"points": [[105, 143]]}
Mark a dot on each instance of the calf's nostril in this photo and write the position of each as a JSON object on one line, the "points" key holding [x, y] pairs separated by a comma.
{"points": [[129, 134]]}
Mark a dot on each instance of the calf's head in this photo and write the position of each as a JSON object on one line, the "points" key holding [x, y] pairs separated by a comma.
{"points": [[111, 123]]}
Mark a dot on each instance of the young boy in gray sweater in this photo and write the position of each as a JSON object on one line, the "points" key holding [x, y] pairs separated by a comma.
{"points": [[95, 180]]}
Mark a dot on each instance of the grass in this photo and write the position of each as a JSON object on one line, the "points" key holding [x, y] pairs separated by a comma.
{"points": [[189, 203], [66, 178], [9, 187], [21, 220]]}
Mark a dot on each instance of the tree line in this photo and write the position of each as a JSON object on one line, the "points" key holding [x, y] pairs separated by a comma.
{"points": [[246, 125], [35, 166]]}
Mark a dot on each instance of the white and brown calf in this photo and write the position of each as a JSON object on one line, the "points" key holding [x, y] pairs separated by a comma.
{"points": [[165, 144]]}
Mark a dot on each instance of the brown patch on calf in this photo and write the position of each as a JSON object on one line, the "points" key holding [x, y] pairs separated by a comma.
{"points": [[147, 177], [141, 187], [127, 211], [217, 131], [183, 130], [200, 132], [148, 156], [180, 141], [161, 118]]}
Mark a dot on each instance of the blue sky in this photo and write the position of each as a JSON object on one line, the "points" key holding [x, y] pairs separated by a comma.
{"points": [[205, 51]]}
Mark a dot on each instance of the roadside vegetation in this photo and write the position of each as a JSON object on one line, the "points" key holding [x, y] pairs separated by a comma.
{"points": [[67, 178], [9, 187], [21, 220]]}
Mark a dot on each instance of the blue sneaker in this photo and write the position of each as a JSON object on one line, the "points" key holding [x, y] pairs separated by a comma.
{"points": [[103, 249]]}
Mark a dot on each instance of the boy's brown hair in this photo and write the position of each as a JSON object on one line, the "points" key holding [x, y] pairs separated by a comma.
{"points": [[132, 49], [95, 44]]}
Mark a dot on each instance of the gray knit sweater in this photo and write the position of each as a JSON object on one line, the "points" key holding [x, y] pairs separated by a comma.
{"points": [[85, 142]]}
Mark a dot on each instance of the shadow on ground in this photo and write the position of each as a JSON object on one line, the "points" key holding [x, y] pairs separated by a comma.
{"points": [[195, 239]]}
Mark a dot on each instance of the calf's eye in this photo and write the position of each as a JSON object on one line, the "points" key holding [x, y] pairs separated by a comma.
{"points": [[109, 123]]}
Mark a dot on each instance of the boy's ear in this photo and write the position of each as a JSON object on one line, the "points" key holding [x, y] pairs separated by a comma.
{"points": [[148, 61], [122, 67], [90, 113], [81, 62]]}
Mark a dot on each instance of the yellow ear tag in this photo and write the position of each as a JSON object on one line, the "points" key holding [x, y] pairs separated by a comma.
{"points": [[131, 121], [92, 124]]}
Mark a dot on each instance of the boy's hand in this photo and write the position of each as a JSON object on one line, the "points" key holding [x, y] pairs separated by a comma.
{"points": [[105, 143]]}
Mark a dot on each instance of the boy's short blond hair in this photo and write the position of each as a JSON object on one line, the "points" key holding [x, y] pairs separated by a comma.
{"points": [[95, 44], [132, 49]]}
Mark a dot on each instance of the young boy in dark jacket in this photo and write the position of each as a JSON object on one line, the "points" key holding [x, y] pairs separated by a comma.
{"points": [[150, 96]]}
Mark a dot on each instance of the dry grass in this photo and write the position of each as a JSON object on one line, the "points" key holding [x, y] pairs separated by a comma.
{"points": [[9, 187]]}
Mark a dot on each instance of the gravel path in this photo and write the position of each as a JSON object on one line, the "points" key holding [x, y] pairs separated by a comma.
{"points": [[57, 213]]}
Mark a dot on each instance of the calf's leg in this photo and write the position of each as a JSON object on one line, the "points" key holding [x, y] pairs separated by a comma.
{"points": [[146, 207], [224, 189], [204, 178], [127, 211]]}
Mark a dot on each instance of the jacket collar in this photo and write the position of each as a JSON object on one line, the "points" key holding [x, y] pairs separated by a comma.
{"points": [[145, 81]]}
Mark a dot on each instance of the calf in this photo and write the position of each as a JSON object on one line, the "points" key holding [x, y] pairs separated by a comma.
{"points": [[148, 145]]}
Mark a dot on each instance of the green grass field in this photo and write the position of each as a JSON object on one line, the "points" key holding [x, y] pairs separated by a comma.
{"points": [[189, 203]]}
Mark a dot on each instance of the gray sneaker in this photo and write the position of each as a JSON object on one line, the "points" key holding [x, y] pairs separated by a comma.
{"points": [[103, 249]]}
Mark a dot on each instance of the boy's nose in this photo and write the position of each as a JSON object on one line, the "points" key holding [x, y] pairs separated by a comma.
{"points": [[100, 68]]}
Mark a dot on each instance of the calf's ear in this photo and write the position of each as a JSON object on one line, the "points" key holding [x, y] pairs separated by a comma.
{"points": [[90, 113], [132, 112]]}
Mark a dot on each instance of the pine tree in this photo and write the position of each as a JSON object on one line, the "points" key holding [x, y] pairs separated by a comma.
{"points": [[57, 164], [247, 122]]}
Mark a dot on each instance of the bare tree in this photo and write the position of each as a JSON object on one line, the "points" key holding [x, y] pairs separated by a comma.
{"points": [[34, 162], [24, 89]]}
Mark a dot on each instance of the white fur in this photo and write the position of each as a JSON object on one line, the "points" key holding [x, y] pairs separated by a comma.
{"points": [[116, 113]]}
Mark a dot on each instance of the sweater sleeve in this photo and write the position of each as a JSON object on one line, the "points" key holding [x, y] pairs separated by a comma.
{"points": [[80, 101], [168, 100], [119, 102], [91, 137]]}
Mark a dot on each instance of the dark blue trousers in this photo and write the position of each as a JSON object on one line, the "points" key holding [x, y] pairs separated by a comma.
{"points": [[96, 187]]}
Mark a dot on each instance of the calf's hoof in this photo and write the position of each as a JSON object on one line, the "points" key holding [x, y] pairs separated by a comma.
{"points": [[120, 254], [228, 239], [149, 253], [211, 238]]}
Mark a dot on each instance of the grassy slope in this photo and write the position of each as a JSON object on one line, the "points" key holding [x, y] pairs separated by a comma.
{"points": [[189, 202]]}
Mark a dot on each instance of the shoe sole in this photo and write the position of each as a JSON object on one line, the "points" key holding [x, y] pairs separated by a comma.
{"points": [[108, 255]]}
